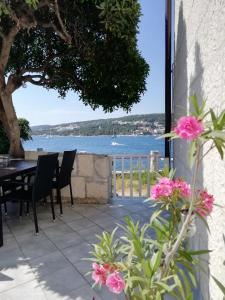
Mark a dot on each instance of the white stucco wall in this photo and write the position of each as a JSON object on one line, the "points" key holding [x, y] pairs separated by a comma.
{"points": [[200, 68]]}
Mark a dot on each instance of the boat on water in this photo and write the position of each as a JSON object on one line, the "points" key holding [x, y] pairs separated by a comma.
{"points": [[114, 135], [49, 136]]}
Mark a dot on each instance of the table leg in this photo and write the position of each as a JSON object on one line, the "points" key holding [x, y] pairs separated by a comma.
{"points": [[1, 225]]}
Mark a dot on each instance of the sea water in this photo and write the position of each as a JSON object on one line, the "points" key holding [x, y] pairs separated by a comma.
{"points": [[98, 144]]}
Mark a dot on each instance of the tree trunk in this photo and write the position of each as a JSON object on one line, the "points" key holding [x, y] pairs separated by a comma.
{"points": [[10, 124]]}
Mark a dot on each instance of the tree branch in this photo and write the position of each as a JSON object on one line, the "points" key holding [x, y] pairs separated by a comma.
{"points": [[67, 36], [31, 78], [7, 42]]}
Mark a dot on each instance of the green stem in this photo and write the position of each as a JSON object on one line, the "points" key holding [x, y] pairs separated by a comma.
{"points": [[174, 217], [126, 296], [185, 225]]}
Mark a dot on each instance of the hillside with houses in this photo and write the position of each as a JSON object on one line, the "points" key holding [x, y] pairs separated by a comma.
{"points": [[129, 125]]}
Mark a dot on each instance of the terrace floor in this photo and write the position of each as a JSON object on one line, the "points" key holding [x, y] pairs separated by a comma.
{"points": [[50, 266]]}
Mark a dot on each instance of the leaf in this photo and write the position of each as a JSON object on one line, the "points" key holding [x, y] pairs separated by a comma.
{"points": [[189, 297], [214, 119], [219, 148], [179, 286], [186, 282], [219, 284], [167, 135], [194, 102], [155, 215], [158, 296], [165, 286], [203, 108], [172, 173], [221, 120], [218, 134], [156, 260], [191, 273], [186, 255], [203, 220], [199, 252]]}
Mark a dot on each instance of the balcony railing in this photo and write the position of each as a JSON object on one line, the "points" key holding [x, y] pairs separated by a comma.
{"points": [[134, 174]]}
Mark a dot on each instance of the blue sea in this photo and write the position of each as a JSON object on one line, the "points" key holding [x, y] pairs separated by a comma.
{"points": [[98, 144]]}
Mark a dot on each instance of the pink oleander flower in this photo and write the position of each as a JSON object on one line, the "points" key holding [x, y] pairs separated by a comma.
{"points": [[204, 205], [162, 189], [115, 283], [189, 128], [182, 187], [109, 267], [99, 274]]}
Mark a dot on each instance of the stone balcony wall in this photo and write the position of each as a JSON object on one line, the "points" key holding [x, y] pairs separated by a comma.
{"points": [[91, 177]]}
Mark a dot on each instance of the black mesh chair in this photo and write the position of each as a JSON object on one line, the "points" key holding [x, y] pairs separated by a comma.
{"points": [[41, 187], [63, 177], [13, 185]]}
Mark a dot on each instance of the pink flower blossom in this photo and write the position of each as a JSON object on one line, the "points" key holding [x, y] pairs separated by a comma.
{"points": [[99, 274], [115, 283], [189, 128], [168, 188], [182, 187], [204, 205], [163, 189], [109, 267]]}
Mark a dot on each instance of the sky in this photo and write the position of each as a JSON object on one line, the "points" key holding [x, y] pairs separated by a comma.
{"points": [[40, 106]]}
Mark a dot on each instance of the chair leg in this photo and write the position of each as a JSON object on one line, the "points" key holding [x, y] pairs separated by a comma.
{"points": [[71, 194], [5, 205], [1, 225], [21, 208], [35, 218], [5, 209], [28, 208], [59, 200], [52, 206]]}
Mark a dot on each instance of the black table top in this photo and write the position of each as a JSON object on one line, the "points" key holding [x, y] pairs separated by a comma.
{"points": [[17, 167]]}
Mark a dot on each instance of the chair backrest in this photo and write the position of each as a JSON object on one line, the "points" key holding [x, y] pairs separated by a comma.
{"points": [[46, 166], [66, 168]]}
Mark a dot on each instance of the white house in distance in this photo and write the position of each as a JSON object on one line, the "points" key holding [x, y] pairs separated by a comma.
{"points": [[200, 69]]}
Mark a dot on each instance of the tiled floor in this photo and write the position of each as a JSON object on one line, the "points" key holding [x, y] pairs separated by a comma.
{"points": [[50, 266]]}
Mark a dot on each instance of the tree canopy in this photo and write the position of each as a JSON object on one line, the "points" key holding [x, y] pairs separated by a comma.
{"points": [[100, 59], [85, 46]]}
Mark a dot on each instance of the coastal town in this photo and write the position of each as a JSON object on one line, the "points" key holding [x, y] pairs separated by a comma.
{"points": [[148, 124]]}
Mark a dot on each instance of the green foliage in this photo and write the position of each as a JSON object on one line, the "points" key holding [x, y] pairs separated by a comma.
{"points": [[107, 249], [32, 3], [220, 285], [215, 128], [25, 131], [25, 134], [4, 142], [116, 16], [124, 125], [3, 10], [102, 62], [154, 259], [140, 258]]}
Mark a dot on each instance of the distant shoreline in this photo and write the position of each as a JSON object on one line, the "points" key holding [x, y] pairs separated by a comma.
{"points": [[136, 125], [118, 135]]}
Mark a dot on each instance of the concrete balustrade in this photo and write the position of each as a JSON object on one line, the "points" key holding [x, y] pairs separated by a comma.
{"points": [[91, 177]]}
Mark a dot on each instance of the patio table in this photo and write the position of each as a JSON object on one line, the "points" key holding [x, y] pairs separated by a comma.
{"points": [[14, 168]]}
